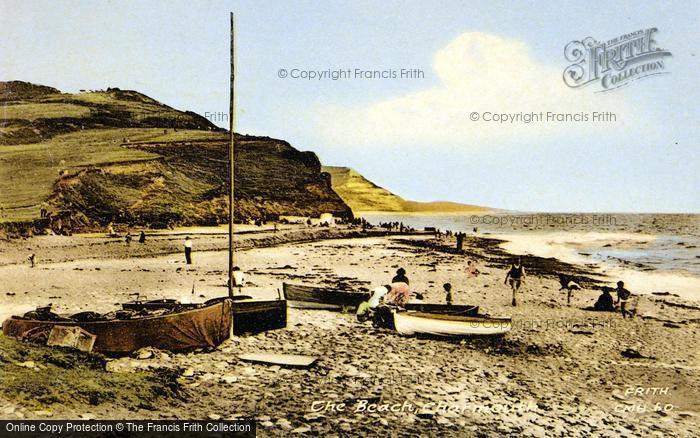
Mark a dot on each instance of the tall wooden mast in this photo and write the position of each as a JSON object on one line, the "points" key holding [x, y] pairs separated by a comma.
{"points": [[232, 165]]}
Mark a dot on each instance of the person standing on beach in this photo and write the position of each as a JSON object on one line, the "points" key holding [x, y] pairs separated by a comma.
{"points": [[128, 238], [448, 293], [623, 296], [400, 276], [515, 277], [142, 237], [460, 241], [188, 250]]}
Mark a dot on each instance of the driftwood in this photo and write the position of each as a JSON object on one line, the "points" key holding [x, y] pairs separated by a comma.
{"points": [[288, 360]]}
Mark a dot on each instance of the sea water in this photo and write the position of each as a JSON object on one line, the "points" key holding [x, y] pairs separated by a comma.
{"points": [[650, 252]]}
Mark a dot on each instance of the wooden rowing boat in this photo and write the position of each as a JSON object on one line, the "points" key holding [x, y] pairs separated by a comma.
{"points": [[445, 325], [313, 297], [249, 316], [196, 327]]}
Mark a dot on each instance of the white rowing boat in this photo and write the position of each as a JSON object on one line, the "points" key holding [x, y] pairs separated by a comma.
{"points": [[412, 323]]}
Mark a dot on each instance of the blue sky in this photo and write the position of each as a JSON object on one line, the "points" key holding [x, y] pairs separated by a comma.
{"points": [[406, 135]]}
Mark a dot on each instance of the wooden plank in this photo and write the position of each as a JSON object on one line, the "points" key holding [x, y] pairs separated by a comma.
{"points": [[71, 336], [289, 360]]}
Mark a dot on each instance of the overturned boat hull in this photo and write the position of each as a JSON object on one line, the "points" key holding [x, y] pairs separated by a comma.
{"points": [[205, 326], [312, 297], [419, 323]]}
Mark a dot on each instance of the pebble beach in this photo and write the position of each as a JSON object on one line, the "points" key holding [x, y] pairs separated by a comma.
{"points": [[560, 371]]}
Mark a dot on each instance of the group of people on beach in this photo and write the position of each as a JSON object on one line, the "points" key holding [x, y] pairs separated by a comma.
{"points": [[398, 292], [605, 300]]}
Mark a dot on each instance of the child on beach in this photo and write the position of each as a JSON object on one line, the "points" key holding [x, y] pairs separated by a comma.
{"points": [[472, 270], [448, 293], [623, 296]]}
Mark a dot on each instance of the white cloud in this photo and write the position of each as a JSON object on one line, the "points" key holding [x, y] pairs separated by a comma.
{"points": [[478, 72]]}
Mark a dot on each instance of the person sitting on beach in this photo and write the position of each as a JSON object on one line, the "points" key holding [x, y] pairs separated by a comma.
{"points": [[605, 301], [448, 293], [365, 309], [400, 276], [472, 270], [399, 295], [515, 277], [623, 296]]}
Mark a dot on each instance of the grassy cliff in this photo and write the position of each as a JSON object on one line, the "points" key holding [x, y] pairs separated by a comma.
{"points": [[118, 155], [363, 195]]}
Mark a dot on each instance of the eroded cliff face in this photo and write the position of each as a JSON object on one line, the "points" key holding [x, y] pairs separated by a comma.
{"points": [[187, 184]]}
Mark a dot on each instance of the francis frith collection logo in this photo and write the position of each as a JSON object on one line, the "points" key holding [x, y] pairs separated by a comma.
{"points": [[614, 63]]}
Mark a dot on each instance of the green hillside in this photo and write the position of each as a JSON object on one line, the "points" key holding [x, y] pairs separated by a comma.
{"points": [[120, 156], [32, 113], [363, 195]]}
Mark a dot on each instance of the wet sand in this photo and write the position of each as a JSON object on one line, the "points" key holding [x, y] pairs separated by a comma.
{"points": [[560, 372]]}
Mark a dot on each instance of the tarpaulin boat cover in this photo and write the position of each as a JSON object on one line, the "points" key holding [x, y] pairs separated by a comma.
{"points": [[206, 326]]}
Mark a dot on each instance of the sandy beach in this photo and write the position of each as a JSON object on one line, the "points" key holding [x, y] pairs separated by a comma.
{"points": [[561, 371]]}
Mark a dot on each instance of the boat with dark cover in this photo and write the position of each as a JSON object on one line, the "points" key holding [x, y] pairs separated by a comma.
{"points": [[204, 326]]}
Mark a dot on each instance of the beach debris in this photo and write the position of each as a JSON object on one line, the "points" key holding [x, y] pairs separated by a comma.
{"points": [[631, 353], [151, 353], [681, 305], [229, 379], [286, 360], [72, 337], [43, 413], [580, 332], [284, 423]]}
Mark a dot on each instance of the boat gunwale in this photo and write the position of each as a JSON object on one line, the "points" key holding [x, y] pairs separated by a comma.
{"points": [[112, 321], [455, 318]]}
